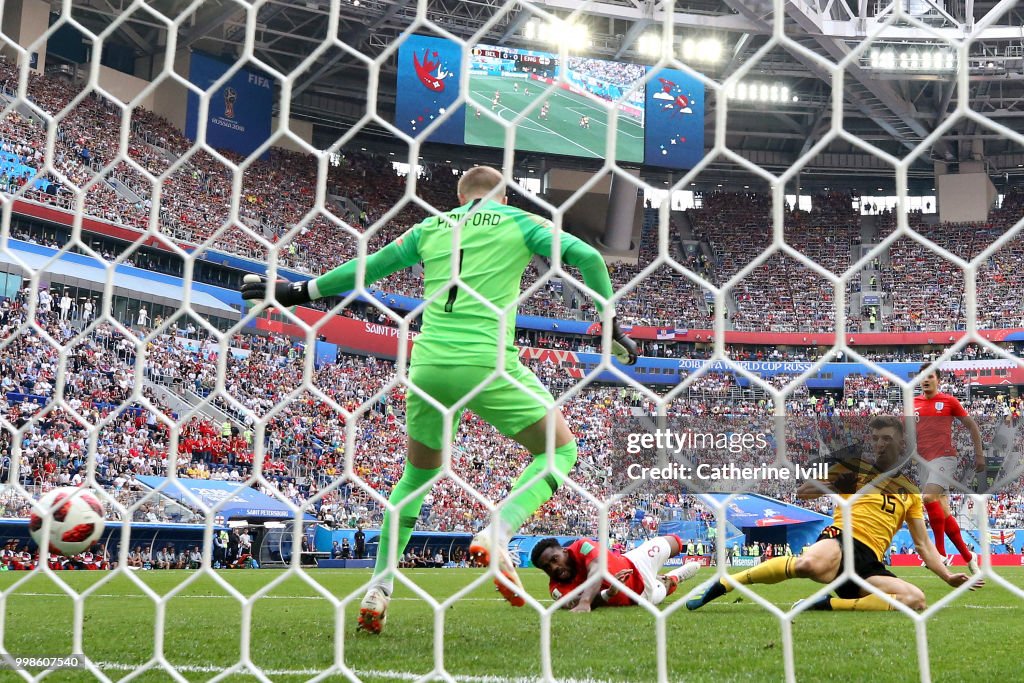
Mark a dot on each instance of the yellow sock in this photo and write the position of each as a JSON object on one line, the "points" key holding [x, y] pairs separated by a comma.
{"points": [[870, 603], [773, 571]]}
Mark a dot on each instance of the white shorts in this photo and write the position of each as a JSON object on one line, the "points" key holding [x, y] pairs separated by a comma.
{"points": [[649, 558], [940, 472]]}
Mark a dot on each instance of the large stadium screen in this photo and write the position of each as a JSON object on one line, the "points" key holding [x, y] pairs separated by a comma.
{"points": [[564, 104], [572, 119]]}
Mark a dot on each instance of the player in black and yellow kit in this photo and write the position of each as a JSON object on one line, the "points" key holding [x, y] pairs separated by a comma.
{"points": [[887, 500]]}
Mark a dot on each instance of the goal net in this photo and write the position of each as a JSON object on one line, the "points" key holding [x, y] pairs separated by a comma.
{"points": [[152, 154]]}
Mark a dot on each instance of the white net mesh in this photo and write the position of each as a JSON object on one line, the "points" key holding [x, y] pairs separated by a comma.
{"points": [[129, 391]]}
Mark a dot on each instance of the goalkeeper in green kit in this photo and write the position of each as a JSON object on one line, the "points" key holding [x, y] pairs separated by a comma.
{"points": [[461, 343]]}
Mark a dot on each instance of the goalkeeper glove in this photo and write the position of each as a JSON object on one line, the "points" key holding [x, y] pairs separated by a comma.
{"points": [[287, 294], [623, 348]]}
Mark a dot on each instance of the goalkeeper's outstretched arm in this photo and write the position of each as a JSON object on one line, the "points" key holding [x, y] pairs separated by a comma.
{"points": [[539, 236], [400, 254]]}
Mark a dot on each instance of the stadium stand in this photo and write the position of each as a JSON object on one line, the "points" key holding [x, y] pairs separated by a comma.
{"points": [[304, 441], [779, 296], [304, 446]]}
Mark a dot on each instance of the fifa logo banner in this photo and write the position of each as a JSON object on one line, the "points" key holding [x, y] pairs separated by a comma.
{"points": [[229, 102], [239, 113]]}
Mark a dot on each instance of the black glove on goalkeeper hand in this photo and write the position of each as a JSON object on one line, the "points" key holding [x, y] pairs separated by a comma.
{"points": [[287, 293], [623, 348]]}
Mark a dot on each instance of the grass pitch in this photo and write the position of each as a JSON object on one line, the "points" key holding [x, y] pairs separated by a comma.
{"points": [[486, 640], [560, 133]]}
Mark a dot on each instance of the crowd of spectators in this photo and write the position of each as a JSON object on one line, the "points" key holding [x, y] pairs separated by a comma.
{"points": [[304, 448], [304, 445], [663, 296], [365, 193], [618, 73], [1006, 509], [231, 550], [17, 557], [781, 294], [926, 291], [860, 386], [303, 451]]}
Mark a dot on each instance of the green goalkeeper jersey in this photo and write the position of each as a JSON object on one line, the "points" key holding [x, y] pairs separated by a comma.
{"points": [[495, 246]]}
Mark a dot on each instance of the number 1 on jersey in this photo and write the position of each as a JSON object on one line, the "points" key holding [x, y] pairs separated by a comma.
{"points": [[453, 293]]}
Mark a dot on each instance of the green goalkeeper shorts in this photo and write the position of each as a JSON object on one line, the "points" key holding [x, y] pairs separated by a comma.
{"points": [[509, 407]]}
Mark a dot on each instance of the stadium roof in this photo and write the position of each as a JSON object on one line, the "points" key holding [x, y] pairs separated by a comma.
{"points": [[893, 110]]}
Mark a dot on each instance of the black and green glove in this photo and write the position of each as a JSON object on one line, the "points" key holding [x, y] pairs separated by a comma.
{"points": [[287, 294], [623, 348]]}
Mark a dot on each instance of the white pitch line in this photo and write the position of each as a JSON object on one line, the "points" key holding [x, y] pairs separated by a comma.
{"points": [[585, 101], [388, 674]]}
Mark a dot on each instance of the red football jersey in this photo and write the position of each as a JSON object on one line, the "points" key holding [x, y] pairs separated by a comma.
{"points": [[935, 424], [585, 552]]}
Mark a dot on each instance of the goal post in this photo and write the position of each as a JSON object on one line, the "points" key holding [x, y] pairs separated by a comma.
{"points": [[141, 181]]}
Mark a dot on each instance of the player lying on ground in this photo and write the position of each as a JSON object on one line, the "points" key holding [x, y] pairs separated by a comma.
{"points": [[887, 500], [934, 412], [457, 350], [569, 567]]}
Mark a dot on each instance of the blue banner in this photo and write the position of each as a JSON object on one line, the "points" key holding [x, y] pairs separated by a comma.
{"points": [[326, 353], [240, 109], [145, 534], [231, 297], [674, 129], [528, 322], [428, 84], [240, 502], [749, 510]]}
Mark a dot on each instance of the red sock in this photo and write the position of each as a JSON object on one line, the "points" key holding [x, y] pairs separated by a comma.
{"points": [[953, 531], [937, 518]]}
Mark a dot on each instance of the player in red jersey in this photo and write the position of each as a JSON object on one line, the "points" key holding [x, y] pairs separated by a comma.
{"points": [[569, 567], [934, 412]]}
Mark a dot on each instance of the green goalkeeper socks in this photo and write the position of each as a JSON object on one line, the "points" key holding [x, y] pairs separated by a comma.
{"points": [[524, 499], [530, 492], [407, 506]]}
